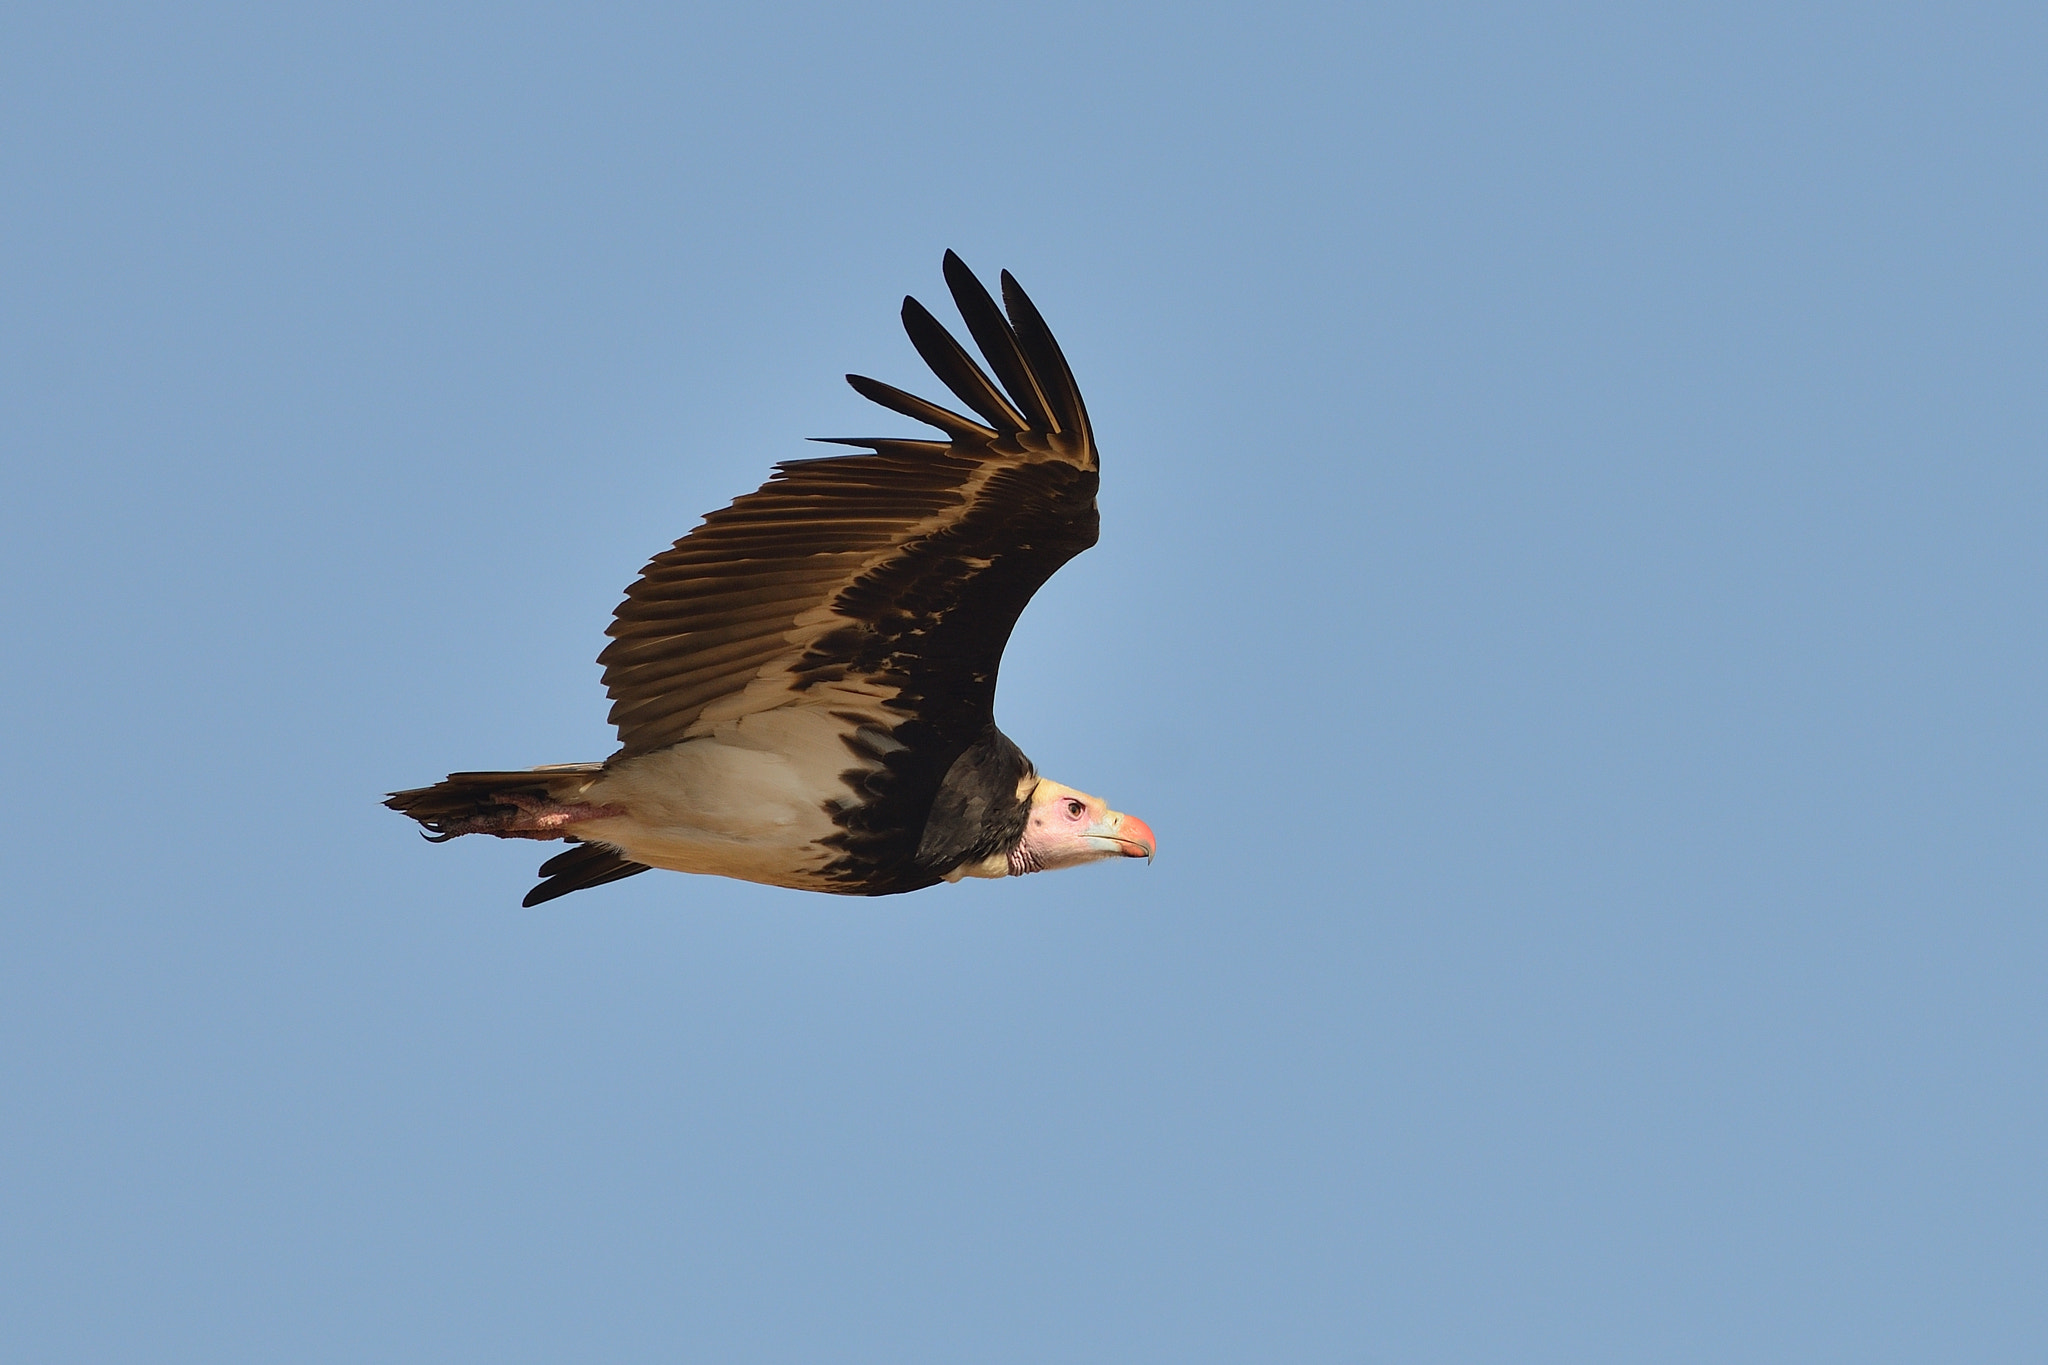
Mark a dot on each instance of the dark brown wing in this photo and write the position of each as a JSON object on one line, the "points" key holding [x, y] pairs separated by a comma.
{"points": [[881, 584]]}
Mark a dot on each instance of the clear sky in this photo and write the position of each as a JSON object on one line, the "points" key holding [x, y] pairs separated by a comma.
{"points": [[1571, 603]]}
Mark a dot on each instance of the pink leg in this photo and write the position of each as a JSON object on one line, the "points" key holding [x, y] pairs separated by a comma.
{"points": [[535, 819]]}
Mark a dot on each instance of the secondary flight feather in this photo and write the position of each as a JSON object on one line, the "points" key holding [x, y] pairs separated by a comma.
{"points": [[804, 686]]}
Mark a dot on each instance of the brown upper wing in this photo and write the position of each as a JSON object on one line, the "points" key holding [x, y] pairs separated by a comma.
{"points": [[894, 576]]}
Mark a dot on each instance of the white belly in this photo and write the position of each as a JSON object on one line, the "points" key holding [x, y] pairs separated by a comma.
{"points": [[746, 801]]}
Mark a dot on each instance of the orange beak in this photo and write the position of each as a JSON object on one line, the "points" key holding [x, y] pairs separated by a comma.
{"points": [[1132, 836]]}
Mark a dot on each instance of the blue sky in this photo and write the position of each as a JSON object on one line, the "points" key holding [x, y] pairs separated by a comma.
{"points": [[1570, 603]]}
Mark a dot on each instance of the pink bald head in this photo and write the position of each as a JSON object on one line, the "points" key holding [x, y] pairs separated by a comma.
{"points": [[1068, 828]]}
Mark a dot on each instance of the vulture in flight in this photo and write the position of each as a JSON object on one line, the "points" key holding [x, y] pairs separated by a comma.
{"points": [[804, 685]]}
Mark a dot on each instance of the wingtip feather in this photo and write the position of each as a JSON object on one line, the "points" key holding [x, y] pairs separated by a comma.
{"points": [[919, 409], [999, 345], [957, 370], [1047, 360]]}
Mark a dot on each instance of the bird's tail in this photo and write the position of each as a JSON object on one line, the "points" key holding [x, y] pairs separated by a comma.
{"points": [[537, 803]]}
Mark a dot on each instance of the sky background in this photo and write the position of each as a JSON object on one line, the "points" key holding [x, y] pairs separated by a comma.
{"points": [[1571, 603]]}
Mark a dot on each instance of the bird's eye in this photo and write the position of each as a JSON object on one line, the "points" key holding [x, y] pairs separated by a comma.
{"points": [[1074, 809]]}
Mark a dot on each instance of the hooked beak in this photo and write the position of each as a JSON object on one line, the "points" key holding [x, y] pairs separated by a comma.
{"points": [[1125, 835]]}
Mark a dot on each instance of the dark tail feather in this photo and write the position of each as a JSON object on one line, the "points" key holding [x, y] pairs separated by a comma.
{"points": [[492, 803], [582, 866], [521, 805]]}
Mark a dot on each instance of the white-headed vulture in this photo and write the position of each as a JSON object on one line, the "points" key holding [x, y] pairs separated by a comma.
{"points": [[804, 686]]}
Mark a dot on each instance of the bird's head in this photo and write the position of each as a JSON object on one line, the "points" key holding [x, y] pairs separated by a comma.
{"points": [[1067, 828]]}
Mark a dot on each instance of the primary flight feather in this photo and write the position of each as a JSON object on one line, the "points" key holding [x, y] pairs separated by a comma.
{"points": [[804, 686]]}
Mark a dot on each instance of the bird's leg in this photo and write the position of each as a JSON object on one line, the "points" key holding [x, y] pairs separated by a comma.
{"points": [[545, 819], [529, 818]]}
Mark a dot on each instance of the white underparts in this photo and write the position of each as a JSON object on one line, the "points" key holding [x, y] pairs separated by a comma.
{"points": [[745, 800]]}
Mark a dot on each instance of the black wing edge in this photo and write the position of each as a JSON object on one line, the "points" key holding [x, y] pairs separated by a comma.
{"points": [[583, 866], [1038, 391]]}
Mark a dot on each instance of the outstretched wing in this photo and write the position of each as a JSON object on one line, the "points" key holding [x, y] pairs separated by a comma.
{"points": [[880, 586]]}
